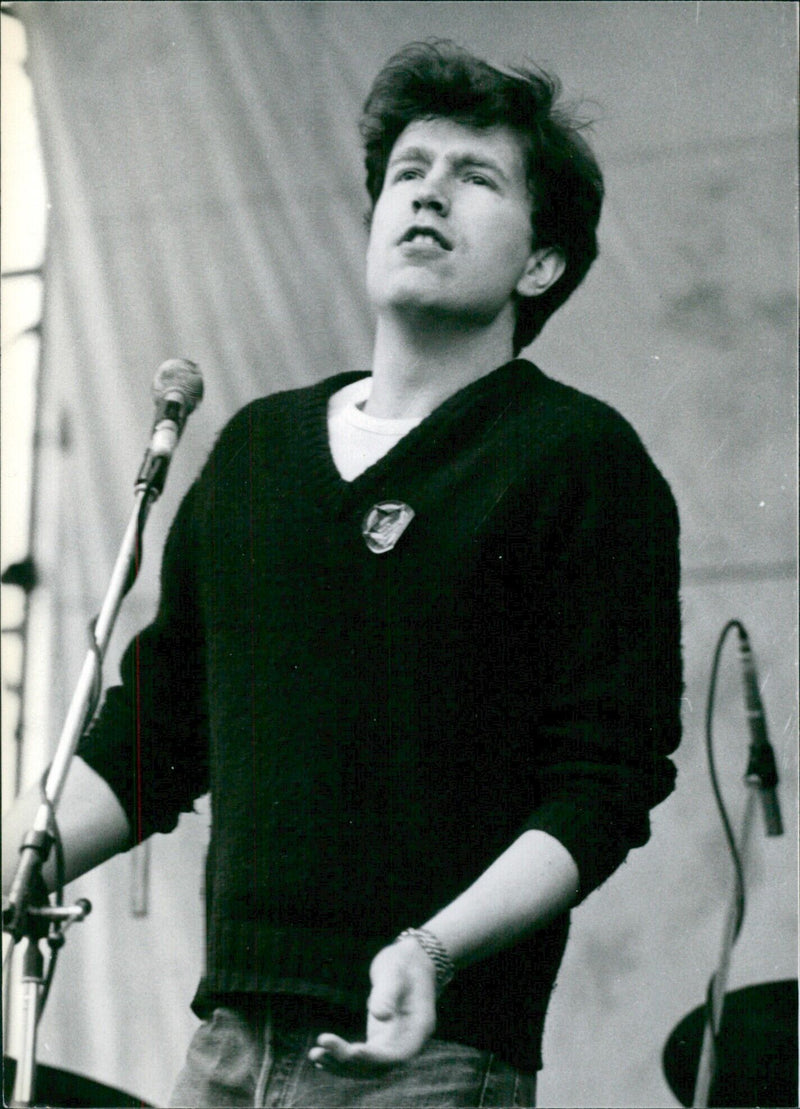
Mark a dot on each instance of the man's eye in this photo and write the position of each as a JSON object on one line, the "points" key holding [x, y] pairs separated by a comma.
{"points": [[407, 174], [480, 179]]}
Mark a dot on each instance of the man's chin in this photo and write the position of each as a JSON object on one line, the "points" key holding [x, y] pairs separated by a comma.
{"points": [[436, 310]]}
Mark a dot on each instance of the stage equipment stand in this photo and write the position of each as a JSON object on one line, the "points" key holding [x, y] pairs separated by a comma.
{"points": [[177, 389], [761, 779]]}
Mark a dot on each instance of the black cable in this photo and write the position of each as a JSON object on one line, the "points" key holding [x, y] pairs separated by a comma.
{"points": [[96, 690], [55, 835], [97, 676], [55, 936], [726, 824]]}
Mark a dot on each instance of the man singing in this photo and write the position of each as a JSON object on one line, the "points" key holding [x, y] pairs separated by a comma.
{"points": [[418, 636]]}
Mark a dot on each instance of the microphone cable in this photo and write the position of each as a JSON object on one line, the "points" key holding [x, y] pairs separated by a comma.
{"points": [[712, 770], [760, 771], [55, 938]]}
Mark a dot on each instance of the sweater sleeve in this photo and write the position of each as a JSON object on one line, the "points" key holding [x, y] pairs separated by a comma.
{"points": [[149, 739], [609, 644]]}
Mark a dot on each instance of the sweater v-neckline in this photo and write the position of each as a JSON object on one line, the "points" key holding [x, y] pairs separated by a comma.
{"points": [[502, 382]]}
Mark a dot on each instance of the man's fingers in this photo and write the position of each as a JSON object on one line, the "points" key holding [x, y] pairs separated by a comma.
{"points": [[333, 1049], [330, 1048], [335, 1054]]}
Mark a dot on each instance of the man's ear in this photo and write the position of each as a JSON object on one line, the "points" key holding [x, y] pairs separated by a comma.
{"points": [[543, 269]]}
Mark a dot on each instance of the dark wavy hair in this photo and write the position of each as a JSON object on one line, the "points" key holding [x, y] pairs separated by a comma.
{"points": [[431, 80]]}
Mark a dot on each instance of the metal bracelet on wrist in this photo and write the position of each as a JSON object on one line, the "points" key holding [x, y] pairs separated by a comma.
{"points": [[436, 952]]}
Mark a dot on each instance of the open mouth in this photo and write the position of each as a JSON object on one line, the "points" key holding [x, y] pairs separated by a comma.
{"points": [[419, 234]]}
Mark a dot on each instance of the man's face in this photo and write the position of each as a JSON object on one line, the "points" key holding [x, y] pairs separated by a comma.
{"points": [[451, 231]]}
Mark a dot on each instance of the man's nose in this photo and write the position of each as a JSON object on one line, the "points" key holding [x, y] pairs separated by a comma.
{"points": [[430, 195]]}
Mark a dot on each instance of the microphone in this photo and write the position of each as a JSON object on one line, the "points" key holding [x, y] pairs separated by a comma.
{"points": [[761, 770], [177, 390]]}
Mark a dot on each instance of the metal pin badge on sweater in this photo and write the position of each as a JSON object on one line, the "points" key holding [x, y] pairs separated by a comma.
{"points": [[384, 524]]}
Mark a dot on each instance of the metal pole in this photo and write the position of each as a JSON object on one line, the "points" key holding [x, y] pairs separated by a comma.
{"points": [[707, 1063], [20, 912]]}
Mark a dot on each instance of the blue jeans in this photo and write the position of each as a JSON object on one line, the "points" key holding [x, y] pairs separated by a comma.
{"points": [[237, 1059]]}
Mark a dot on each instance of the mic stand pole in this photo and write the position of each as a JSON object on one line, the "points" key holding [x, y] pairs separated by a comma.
{"points": [[706, 1066], [761, 779], [22, 913]]}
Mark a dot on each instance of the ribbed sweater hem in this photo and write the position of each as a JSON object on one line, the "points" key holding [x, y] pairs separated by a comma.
{"points": [[253, 957]]}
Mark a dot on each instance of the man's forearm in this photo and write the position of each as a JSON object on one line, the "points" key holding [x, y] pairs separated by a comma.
{"points": [[529, 884], [534, 880], [92, 823]]}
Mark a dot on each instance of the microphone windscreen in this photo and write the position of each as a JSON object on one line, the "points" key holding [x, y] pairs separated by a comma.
{"points": [[181, 376]]}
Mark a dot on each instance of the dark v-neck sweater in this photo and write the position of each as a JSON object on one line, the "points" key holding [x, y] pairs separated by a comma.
{"points": [[376, 728]]}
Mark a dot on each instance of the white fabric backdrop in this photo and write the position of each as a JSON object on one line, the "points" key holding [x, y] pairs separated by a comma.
{"points": [[206, 189]]}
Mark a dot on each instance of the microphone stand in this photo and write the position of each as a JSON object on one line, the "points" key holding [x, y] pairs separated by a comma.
{"points": [[26, 914], [761, 779], [707, 1063]]}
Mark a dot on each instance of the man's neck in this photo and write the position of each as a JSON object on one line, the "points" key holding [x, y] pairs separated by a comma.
{"points": [[416, 368]]}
